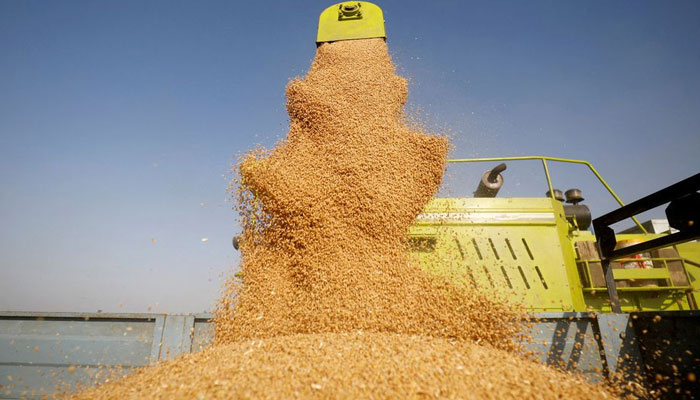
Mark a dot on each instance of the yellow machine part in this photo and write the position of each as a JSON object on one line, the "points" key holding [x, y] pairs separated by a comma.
{"points": [[513, 247], [350, 20]]}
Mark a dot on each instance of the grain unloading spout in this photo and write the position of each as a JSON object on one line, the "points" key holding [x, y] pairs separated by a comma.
{"points": [[350, 20]]}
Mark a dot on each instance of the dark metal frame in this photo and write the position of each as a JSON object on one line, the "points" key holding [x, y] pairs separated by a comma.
{"points": [[605, 236]]}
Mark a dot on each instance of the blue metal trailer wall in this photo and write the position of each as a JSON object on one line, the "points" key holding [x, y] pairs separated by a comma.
{"points": [[42, 352]]}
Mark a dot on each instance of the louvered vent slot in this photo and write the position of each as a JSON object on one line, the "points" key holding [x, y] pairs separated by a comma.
{"points": [[476, 247], [539, 273], [512, 252], [522, 274], [505, 275], [493, 248], [488, 275], [527, 248], [471, 276]]}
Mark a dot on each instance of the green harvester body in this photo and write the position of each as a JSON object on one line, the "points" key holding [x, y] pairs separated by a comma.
{"points": [[527, 249]]}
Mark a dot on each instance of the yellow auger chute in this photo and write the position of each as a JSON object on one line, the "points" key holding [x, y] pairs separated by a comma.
{"points": [[350, 20]]}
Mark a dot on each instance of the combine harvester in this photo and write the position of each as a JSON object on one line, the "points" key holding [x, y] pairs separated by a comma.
{"points": [[601, 304]]}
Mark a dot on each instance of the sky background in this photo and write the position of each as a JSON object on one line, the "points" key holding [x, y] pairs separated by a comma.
{"points": [[119, 122]]}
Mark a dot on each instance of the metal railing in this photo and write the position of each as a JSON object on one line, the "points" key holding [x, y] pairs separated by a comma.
{"points": [[544, 160], [662, 273]]}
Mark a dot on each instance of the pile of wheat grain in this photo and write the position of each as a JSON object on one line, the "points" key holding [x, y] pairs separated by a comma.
{"points": [[349, 366], [329, 304]]}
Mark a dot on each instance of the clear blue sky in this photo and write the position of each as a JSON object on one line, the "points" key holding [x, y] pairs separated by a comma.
{"points": [[119, 121]]}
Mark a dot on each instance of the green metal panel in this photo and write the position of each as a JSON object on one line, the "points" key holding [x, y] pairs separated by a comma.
{"points": [[511, 246]]}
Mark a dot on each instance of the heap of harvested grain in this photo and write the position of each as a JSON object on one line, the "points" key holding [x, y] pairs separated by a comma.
{"points": [[330, 305], [349, 366]]}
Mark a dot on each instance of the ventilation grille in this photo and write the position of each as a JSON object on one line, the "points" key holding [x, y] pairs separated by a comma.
{"points": [[526, 262], [508, 271]]}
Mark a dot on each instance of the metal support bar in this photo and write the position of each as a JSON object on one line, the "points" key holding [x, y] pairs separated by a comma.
{"points": [[664, 241], [157, 338], [623, 357], [656, 199], [549, 179], [612, 287]]}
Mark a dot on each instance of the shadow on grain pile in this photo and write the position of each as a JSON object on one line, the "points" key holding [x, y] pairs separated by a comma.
{"points": [[329, 304]]}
